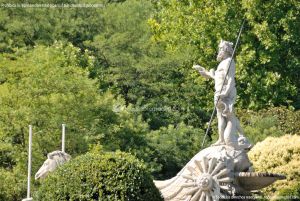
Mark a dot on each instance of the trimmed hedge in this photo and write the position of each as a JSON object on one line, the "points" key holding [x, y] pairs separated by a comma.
{"points": [[107, 176]]}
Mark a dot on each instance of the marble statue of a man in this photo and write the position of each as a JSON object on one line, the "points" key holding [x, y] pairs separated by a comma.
{"points": [[225, 94]]}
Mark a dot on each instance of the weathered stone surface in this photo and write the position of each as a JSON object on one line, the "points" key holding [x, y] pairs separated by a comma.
{"points": [[222, 169], [215, 172], [54, 159]]}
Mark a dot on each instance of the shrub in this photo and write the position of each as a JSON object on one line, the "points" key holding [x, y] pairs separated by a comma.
{"points": [[278, 155], [274, 121], [287, 120], [110, 176], [12, 190], [290, 194], [259, 128]]}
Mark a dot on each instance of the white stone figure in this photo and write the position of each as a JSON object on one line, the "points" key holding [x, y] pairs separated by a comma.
{"points": [[225, 95], [222, 170], [215, 173], [54, 159]]}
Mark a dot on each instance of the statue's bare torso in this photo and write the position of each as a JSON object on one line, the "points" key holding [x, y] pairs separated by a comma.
{"points": [[220, 75]]}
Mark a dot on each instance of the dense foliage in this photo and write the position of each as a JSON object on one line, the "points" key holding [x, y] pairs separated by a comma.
{"points": [[173, 147], [274, 121], [47, 86], [27, 27], [268, 57], [119, 75], [152, 79], [103, 176], [289, 194], [278, 155], [44, 87]]}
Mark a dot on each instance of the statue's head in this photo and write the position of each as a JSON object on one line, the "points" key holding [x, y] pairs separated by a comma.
{"points": [[54, 159], [225, 50]]}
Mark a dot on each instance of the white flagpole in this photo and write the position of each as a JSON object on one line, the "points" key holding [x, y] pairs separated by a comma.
{"points": [[29, 165], [63, 138]]}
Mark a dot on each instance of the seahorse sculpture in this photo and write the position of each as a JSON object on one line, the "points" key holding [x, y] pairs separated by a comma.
{"points": [[54, 159]]}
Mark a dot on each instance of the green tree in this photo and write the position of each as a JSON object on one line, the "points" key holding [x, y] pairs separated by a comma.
{"points": [[156, 82], [45, 87], [268, 57], [173, 147], [269, 122], [128, 63], [27, 27]]}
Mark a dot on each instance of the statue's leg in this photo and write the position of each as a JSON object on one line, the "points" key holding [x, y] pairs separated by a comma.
{"points": [[229, 133], [221, 127], [221, 120], [228, 129]]}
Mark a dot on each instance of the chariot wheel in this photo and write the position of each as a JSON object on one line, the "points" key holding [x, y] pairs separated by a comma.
{"points": [[206, 180]]}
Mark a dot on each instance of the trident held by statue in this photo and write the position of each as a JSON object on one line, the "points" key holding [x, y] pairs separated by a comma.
{"points": [[217, 101]]}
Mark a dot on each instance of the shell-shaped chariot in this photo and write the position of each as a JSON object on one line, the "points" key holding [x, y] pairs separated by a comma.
{"points": [[215, 173]]}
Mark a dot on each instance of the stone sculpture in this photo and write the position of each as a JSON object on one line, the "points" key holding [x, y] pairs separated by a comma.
{"points": [[222, 169], [225, 95], [54, 159], [217, 172], [27, 199]]}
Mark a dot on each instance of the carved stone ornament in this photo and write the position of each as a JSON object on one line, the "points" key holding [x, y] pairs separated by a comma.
{"points": [[223, 169], [54, 159]]}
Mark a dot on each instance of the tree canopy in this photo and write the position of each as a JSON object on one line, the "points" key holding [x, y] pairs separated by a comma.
{"points": [[120, 77], [268, 56]]}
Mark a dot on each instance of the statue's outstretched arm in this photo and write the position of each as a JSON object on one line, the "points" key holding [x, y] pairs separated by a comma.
{"points": [[204, 72]]}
